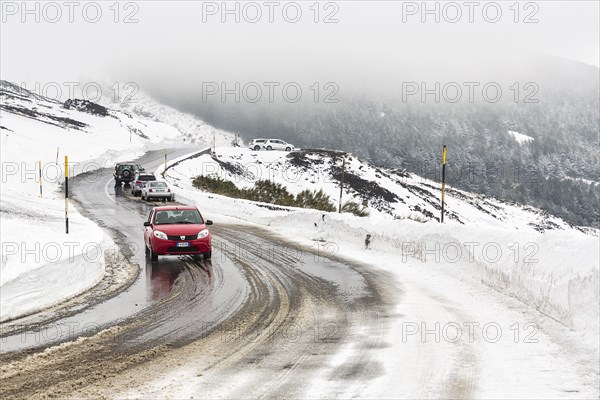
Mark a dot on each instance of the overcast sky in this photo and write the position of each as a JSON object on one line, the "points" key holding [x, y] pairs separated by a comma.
{"points": [[186, 42]]}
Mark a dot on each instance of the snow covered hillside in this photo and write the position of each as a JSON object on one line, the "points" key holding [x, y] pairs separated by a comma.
{"points": [[192, 129], [388, 192], [518, 250], [41, 264]]}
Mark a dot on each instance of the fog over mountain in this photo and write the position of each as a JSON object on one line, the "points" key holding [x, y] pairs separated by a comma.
{"points": [[388, 82]]}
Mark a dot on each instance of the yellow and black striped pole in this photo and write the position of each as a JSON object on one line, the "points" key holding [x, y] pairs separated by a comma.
{"points": [[443, 181], [67, 193], [40, 171]]}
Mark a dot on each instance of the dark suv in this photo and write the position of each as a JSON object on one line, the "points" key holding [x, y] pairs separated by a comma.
{"points": [[125, 171]]}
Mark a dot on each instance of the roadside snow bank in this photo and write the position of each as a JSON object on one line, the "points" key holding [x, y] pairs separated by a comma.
{"points": [[45, 267], [555, 272]]}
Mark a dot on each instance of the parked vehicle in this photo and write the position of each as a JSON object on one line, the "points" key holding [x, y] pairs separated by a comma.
{"points": [[138, 180], [157, 190], [277, 144], [125, 171], [176, 230], [257, 144]]}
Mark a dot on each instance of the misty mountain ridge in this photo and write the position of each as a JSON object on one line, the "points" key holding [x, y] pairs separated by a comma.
{"points": [[557, 171]]}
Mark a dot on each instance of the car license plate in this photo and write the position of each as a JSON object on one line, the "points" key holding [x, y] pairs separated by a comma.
{"points": [[183, 244]]}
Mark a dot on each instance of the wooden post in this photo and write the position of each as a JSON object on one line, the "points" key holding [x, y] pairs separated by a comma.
{"points": [[342, 183], [40, 171], [443, 181], [67, 193]]}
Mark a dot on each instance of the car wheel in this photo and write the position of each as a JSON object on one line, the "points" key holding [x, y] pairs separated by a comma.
{"points": [[257, 148], [147, 249], [153, 257], [207, 256], [288, 149], [269, 148], [143, 197]]}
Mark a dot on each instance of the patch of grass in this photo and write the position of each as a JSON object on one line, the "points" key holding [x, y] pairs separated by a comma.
{"points": [[265, 191], [354, 208]]}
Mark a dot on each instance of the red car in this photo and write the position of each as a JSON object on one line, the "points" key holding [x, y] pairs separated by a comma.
{"points": [[175, 230]]}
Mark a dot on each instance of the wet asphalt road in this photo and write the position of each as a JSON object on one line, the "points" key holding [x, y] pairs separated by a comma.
{"points": [[245, 301]]}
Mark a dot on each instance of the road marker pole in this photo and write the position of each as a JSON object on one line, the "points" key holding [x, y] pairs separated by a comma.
{"points": [[443, 181], [342, 183], [40, 171], [165, 170], [57, 148], [67, 193]]}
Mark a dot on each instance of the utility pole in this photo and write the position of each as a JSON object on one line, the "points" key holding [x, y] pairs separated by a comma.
{"points": [[67, 193], [342, 182], [443, 181], [40, 171]]}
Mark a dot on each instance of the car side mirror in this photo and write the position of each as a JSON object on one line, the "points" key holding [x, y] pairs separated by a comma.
{"points": [[208, 222], [147, 223]]}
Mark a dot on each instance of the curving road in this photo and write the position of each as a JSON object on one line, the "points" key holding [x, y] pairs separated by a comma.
{"points": [[261, 303]]}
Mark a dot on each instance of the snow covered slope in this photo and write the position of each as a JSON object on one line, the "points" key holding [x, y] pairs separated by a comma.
{"points": [[193, 130], [41, 264], [518, 250], [392, 193]]}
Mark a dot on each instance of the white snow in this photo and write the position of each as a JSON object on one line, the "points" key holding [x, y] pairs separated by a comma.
{"points": [[192, 128], [520, 138]]}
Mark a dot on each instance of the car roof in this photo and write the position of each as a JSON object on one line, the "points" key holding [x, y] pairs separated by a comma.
{"points": [[175, 208]]}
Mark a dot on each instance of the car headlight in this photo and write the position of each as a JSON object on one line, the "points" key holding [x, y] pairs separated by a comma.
{"points": [[160, 235], [202, 234]]}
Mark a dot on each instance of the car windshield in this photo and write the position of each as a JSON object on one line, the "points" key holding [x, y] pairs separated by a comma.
{"points": [[178, 217], [146, 178], [158, 184]]}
